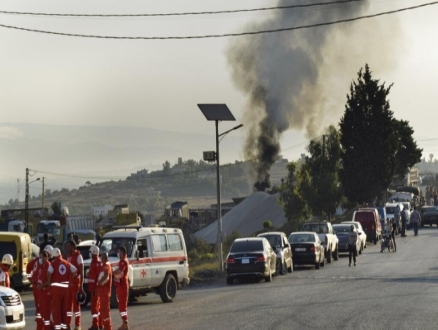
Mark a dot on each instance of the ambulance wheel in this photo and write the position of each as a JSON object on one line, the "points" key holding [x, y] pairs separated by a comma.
{"points": [[114, 302], [168, 288]]}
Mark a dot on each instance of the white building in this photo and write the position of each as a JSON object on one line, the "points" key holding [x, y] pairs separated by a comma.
{"points": [[151, 192], [101, 210], [279, 171]]}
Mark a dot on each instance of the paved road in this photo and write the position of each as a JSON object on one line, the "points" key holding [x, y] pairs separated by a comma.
{"points": [[384, 291]]}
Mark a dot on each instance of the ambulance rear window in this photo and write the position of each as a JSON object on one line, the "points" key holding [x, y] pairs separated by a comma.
{"points": [[8, 247], [175, 243]]}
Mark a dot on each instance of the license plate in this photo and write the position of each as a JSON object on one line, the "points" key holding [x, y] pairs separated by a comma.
{"points": [[300, 249], [16, 315], [245, 261]]}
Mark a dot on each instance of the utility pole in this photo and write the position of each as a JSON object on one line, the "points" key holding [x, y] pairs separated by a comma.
{"points": [[42, 198], [26, 200]]}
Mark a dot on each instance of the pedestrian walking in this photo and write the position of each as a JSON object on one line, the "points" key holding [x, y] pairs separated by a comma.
{"points": [[93, 274], [351, 241], [103, 285], [7, 262], [415, 220], [32, 270], [43, 287], [62, 271], [397, 216], [393, 231], [76, 283], [122, 287]]}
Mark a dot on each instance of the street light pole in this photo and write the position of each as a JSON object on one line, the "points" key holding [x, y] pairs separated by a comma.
{"points": [[219, 206], [26, 200]]}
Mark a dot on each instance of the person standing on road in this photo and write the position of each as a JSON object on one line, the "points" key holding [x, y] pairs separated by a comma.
{"points": [[75, 285], [393, 231], [92, 280], [351, 241], [44, 275], [403, 219], [7, 262], [103, 285], [415, 220], [47, 241], [122, 287], [397, 216], [32, 270], [62, 270]]}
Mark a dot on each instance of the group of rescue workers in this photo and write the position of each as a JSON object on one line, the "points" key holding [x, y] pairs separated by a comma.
{"points": [[57, 286]]}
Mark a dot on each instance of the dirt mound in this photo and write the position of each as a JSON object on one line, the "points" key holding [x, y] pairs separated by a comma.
{"points": [[247, 217]]}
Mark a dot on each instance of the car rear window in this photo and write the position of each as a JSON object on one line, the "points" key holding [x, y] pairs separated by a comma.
{"points": [[342, 228], [8, 248], [246, 246], [320, 228], [364, 217], [390, 210], [296, 238]]}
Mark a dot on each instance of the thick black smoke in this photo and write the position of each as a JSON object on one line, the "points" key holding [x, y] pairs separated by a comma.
{"points": [[282, 74]]}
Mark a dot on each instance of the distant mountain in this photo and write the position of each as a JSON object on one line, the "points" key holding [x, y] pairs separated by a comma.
{"points": [[95, 150]]}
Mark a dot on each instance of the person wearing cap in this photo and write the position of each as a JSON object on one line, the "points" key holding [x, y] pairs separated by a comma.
{"points": [[92, 280], [103, 285], [32, 270], [43, 286], [61, 272], [122, 286], [76, 283], [7, 262]]}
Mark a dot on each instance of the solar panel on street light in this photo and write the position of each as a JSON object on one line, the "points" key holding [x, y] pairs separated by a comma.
{"points": [[216, 112]]}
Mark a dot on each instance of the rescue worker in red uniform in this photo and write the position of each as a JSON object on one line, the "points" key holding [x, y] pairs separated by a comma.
{"points": [[76, 285], [7, 262], [62, 270], [103, 286], [43, 287], [32, 270], [122, 287], [92, 280]]}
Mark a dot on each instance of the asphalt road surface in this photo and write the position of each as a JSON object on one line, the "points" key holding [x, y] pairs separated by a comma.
{"points": [[384, 291]]}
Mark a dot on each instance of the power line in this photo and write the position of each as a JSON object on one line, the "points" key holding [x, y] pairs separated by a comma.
{"points": [[209, 36], [186, 13]]}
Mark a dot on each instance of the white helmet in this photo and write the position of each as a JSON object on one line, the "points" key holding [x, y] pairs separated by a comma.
{"points": [[94, 250], [56, 252], [7, 259], [49, 250]]}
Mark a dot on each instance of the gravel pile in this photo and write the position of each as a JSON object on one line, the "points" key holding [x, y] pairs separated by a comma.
{"points": [[247, 217]]}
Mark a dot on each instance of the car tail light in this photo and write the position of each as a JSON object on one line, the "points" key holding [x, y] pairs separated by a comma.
{"points": [[313, 248], [261, 258], [231, 260]]}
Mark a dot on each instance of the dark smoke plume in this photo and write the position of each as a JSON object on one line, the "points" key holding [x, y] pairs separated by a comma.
{"points": [[293, 80]]}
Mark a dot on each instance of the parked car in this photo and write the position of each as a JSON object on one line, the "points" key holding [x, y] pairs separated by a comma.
{"points": [[382, 214], [359, 229], [328, 238], [11, 309], [281, 246], [370, 220], [342, 231], [307, 249], [251, 257], [429, 216]]}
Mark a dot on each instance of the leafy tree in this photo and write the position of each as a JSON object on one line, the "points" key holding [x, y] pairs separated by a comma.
{"points": [[368, 140], [57, 208], [166, 168], [291, 198], [267, 224], [323, 193], [408, 154]]}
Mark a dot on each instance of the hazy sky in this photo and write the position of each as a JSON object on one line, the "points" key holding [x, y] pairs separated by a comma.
{"points": [[157, 84]]}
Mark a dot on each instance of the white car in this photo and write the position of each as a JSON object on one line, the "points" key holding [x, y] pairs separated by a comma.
{"points": [[11, 310], [359, 229]]}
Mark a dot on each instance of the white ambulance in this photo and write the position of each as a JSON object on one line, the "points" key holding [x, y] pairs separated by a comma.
{"points": [[157, 260]]}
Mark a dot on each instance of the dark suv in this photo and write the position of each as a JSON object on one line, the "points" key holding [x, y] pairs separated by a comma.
{"points": [[251, 257]]}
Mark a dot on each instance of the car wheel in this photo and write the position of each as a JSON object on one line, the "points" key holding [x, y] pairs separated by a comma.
{"points": [[291, 268], [430, 225], [422, 225], [361, 248], [375, 241], [336, 254], [269, 277], [322, 262], [317, 265], [230, 280], [168, 288], [277, 267], [284, 268]]}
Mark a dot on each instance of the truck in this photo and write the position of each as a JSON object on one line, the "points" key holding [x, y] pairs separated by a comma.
{"points": [[52, 227], [83, 226], [328, 238], [125, 219], [12, 225]]}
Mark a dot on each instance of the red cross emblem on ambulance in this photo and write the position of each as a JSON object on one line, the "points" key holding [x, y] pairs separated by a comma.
{"points": [[143, 274]]}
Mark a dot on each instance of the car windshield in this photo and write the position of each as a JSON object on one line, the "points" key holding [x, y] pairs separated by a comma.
{"points": [[111, 245], [342, 228], [320, 228], [390, 210], [301, 238], [247, 246], [274, 240]]}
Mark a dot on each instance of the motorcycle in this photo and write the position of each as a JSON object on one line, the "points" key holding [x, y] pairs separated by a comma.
{"points": [[387, 242]]}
